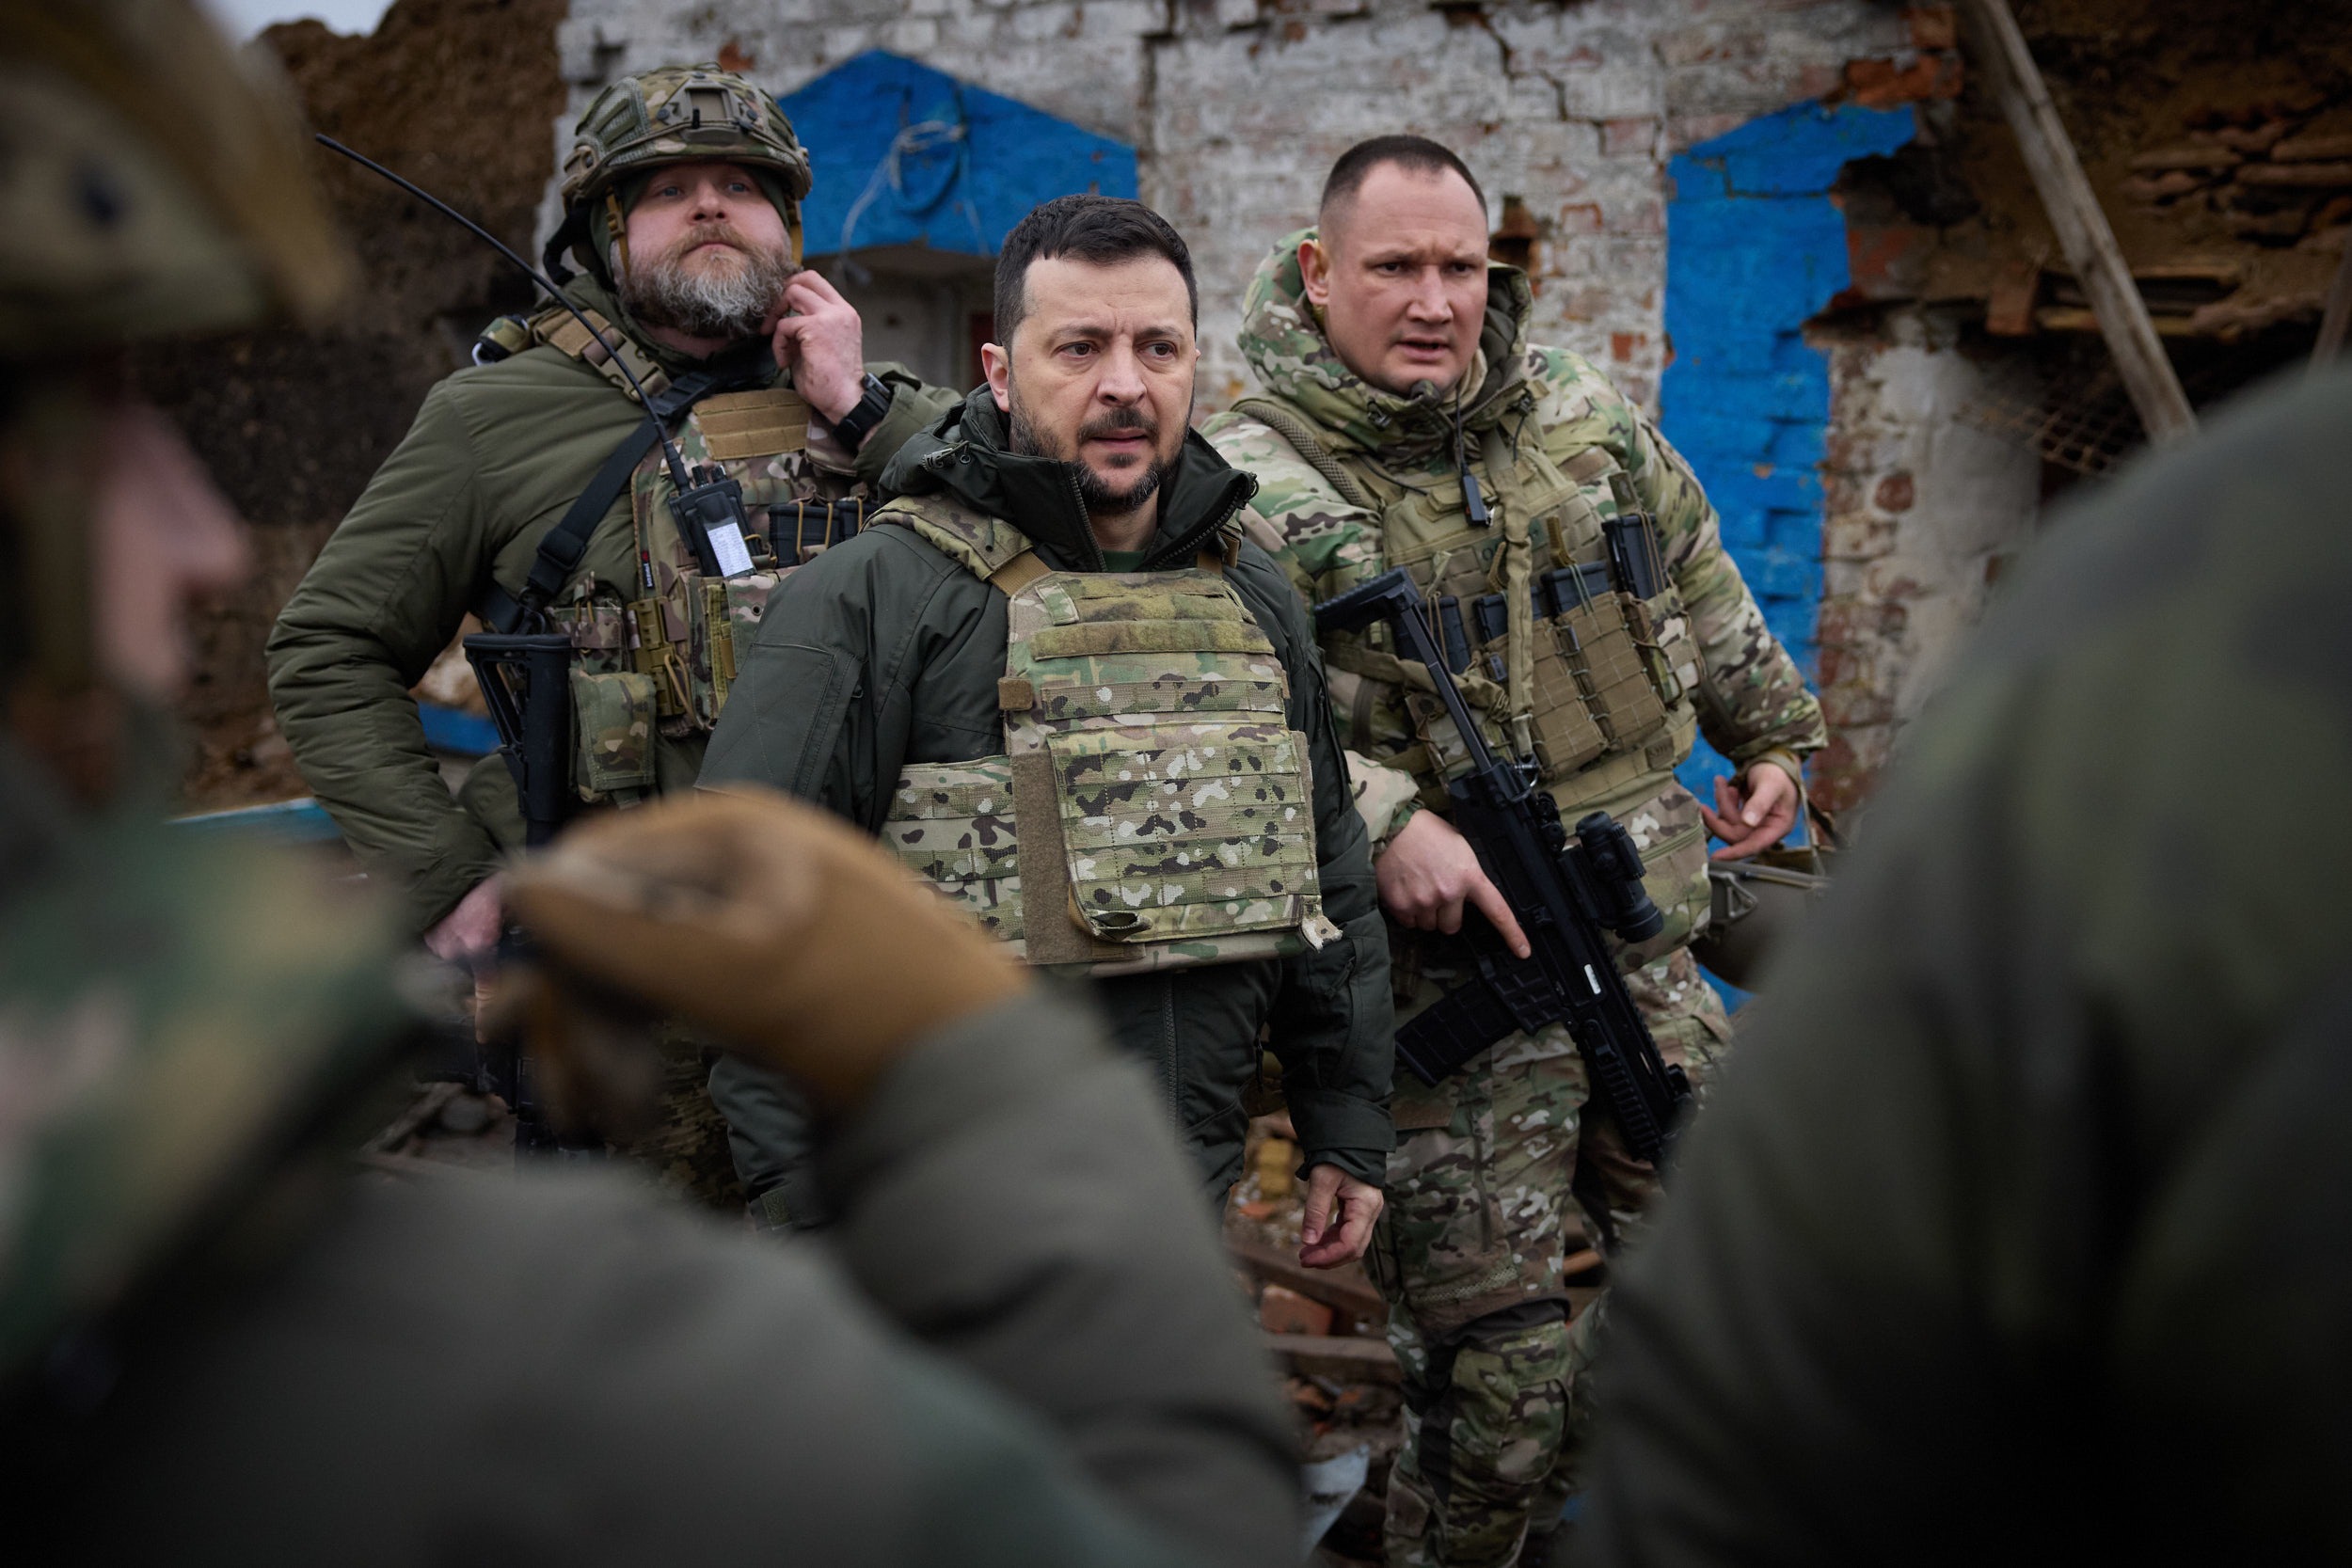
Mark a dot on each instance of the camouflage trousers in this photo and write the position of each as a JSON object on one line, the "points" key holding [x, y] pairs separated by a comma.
{"points": [[1499, 1172]]}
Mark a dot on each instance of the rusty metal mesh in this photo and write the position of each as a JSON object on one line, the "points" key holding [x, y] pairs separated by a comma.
{"points": [[2061, 395]]}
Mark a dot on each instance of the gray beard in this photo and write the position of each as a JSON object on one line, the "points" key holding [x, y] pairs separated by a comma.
{"points": [[702, 304]]}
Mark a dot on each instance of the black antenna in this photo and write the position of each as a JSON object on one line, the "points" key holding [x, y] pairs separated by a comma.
{"points": [[669, 452]]}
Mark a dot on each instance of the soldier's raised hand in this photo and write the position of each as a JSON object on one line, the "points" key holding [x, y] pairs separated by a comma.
{"points": [[816, 335]]}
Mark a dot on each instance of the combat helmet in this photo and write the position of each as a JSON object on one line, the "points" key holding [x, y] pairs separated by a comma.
{"points": [[675, 114], [154, 184]]}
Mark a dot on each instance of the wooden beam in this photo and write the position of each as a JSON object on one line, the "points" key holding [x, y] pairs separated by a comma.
{"points": [[2083, 231], [1348, 1360], [1342, 1293]]}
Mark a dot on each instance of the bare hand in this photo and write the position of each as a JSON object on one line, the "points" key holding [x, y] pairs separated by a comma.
{"points": [[1340, 1215], [471, 929], [815, 334], [1751, 813], [1429, 870]]}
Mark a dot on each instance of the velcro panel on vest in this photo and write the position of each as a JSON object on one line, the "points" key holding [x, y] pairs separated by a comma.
{"points": [[954, 824], [1212, 831], [1048, 940], [765, 423], [1089, 639]]}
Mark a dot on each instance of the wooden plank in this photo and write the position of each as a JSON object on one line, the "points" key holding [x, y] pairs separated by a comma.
{"points": [[1342, 1293], [2334, 176], [2083, 231], [1350, 1360], [2312, 149]]}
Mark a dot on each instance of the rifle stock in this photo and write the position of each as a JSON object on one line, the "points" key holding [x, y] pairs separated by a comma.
{"points": [[1564, 894]]}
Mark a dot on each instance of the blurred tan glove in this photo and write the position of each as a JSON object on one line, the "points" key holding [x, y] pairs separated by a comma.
{"points": [[766, 922]]}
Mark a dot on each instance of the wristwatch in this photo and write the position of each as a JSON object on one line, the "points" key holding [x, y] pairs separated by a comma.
{"points": [[853, 427]]}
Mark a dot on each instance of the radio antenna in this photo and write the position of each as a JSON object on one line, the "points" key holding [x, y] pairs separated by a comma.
{"points": [[669, 451]]}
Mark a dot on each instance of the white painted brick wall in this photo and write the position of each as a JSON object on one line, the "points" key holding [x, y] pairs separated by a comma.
{"points": [[1237, 108], [1924, 510]]}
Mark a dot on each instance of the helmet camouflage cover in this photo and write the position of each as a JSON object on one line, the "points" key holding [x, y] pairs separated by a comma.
{"points": [[677, 115], [173, 1006], [151, 181], [680, 114]]}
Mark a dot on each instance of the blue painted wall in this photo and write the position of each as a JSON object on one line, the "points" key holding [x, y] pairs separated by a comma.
{"points": [[923, 159], [1754, 249]]}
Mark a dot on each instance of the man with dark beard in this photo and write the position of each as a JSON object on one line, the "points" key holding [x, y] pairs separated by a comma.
{"points": [[1062, 685], [682, 203]]}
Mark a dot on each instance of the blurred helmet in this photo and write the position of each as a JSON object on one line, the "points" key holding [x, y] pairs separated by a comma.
{"points": [[675, 114], [153, 182], [172, 1009]]}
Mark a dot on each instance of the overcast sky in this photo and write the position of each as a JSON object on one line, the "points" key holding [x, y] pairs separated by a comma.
{"points": [[245, 18]]}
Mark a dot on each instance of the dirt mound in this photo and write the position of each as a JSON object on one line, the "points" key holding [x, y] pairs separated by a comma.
{"points": [[461, 96]]}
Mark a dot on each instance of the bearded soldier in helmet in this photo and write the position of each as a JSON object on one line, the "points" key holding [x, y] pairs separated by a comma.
{"points": [[215, 1346], [1587, 603], [529, 493]]}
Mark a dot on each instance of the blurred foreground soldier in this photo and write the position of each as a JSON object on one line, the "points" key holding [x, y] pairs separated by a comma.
{"points": [[1581, 590], [1058, 682], [215, 1346], [2017, 1234]]}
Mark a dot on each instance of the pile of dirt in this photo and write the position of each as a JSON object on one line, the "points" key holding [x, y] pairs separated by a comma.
{"points": [[462, 96], [2207, 134]]}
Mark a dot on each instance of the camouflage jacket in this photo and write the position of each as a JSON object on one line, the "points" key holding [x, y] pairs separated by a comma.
{"points": [[175, 1009], [886, 652], [1748, 696], [495, 456]]}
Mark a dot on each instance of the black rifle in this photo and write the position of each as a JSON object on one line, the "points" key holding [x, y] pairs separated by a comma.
{"points": [[1564, 894]]}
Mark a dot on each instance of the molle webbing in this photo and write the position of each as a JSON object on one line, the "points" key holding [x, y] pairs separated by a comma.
{"points": [[564, 544], [1153, 808]]}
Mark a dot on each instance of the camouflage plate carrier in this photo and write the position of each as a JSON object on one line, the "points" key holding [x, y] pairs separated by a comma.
{"points": [[1149, 754], [1567, 666], [665, 660]]}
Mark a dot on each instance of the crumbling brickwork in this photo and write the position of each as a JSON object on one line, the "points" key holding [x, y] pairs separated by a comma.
{"points": [[1237, 108], [1924, 508]]}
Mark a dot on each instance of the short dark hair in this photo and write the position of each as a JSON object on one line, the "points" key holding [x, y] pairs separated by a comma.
{"points": [[1415, 154], [1100, 230]]}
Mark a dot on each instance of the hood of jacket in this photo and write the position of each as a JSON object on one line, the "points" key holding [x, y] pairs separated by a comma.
{"points": [[966, 457], [1283, 340]]}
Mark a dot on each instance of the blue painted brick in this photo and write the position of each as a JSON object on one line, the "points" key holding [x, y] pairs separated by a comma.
{"points": [[1754, 249]]}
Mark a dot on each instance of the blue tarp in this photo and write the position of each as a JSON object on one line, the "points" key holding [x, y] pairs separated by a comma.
{"points": [[908, 156]]}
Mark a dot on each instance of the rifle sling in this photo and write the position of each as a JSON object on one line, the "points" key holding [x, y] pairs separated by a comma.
{"points": [[568, 541]]}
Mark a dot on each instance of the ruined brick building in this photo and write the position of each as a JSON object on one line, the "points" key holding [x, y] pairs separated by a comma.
{"points": [[1795, 229]]}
